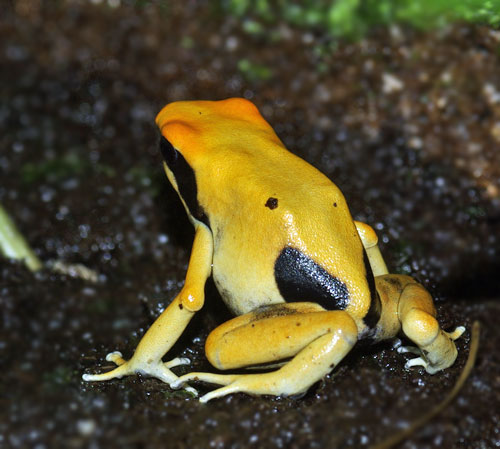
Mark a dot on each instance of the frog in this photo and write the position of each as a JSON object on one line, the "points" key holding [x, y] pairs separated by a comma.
{"points": [[304, 280]]}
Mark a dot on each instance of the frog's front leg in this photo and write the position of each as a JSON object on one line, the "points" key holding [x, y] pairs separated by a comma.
{"points": [[167, 328], [156, 342], [316, 339]]}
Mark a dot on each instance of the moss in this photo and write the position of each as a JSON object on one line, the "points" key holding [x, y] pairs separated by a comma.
{"points": [[254, 72], [352, 19]]}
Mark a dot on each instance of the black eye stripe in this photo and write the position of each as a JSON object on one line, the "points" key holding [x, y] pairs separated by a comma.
{"points": [[169, 153], [185, 179], [373, 315]]}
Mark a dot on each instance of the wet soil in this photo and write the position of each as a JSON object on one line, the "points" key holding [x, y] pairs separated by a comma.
{"points": [[407, 124]]}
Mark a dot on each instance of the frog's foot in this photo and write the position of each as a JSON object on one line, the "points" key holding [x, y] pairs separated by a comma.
{"points": [[235, 383], [456, 334], [158, 369], [437, 355]]}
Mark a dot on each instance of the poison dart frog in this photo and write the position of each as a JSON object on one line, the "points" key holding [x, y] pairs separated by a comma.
{"points": [[304, 280]]}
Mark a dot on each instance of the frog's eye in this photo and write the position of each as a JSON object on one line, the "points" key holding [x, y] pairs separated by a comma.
{"points": [[170, 154]]}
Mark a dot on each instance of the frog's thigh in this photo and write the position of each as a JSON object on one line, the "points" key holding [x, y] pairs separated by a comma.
{"points": [[317, 340], [417, 315], [267, 335]]}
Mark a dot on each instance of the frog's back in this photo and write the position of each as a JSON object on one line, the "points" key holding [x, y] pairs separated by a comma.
{"points": [[283, 231]]}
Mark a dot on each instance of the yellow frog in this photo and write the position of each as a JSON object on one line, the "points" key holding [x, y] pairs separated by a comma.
{"points": [[304, 280]]}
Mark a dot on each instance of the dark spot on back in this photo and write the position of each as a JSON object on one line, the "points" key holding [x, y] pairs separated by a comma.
{"points": [[334, 204], [299, 278], [272, 203]]}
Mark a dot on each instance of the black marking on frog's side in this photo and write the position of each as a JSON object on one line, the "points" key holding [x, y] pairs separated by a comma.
{"points": [[334, 204], [217, 233], [373, 315], [225, 294], [271, 311], [272, 203], [299, 279], [395, 282], [185, 178]]}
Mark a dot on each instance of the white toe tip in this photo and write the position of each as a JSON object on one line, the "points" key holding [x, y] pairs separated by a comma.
{"points": [[112, 355], [192, 391], [176, 384]]}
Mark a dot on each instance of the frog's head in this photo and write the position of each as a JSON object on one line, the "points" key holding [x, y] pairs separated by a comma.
{"points": [[198, 136], [195, 128]]}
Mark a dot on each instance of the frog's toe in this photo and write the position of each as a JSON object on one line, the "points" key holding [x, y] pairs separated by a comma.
{"points": [[122, 369], [408, 349], [220, 392], [457, 333], [191, 390], [178, 361], [116, 357], [420, 361], [233, 383], [117, 373], [417, 361], [218, 379]]}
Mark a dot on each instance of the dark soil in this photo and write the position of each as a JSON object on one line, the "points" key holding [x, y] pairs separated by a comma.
{"points": [[407, 124]]}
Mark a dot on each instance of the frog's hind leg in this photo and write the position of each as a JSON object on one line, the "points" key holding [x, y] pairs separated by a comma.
{"points": [[370, 243], [417, 315], [316, 339]]}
